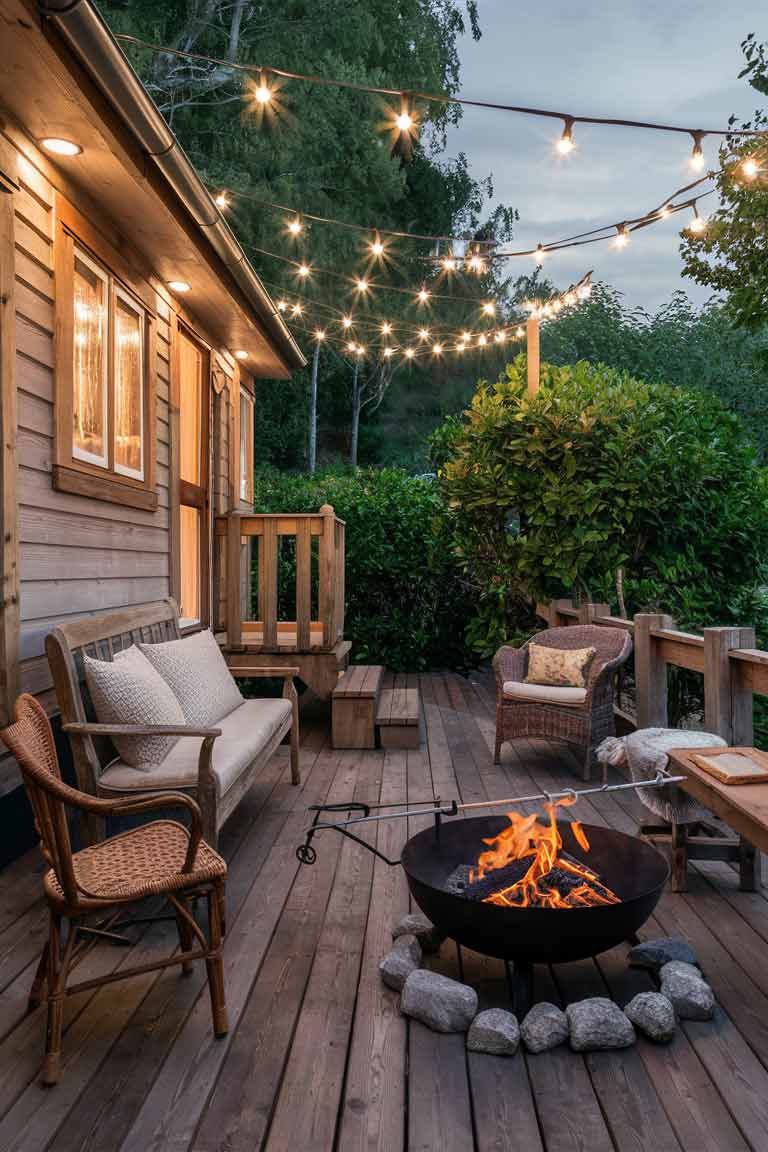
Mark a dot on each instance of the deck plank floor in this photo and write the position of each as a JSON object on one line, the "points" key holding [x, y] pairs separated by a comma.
{"points": [[318, 1057]]}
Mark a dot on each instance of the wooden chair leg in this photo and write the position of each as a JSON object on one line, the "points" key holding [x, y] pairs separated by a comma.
{"points": [[185, 937], [58, 970], [40, 982], [679, 857], [749, 867], [214, 963], [497, 747]]}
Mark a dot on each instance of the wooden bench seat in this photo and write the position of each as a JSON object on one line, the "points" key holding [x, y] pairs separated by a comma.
{"points": [[397, 718], [353, 706]]}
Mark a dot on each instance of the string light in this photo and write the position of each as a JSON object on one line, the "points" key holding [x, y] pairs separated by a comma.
{"points": [[622, 236], [423, 334], [221, 200], [360, 350], [377, 248], [565, 144], [282, 305], [386, 328], [346, 322], [297, 310], [303, 271], [697, 224], [697, 155], [750, 168], [409, 352], [476, 263], [539, 255], [482, 340], [423, 295], [500, 337], [663, 212], [489, 308], [449, 263], [295, 226], [466, 336], [519, 332], [262, 94], [319, 335], [352, 346], [387, 352], [437, 349], [361, 285], [404, 121]]}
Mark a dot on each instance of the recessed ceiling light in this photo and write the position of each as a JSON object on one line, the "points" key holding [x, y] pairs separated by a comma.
{"points": [[178, 286], [60, 146], [241, 354]]}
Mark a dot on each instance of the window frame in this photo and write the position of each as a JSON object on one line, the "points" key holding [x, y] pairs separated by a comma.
{"points": [[74, 471], [245, 465]]}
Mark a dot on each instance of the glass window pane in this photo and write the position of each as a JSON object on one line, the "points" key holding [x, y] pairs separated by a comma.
{"points": [[190, 563], [246, 419], [89, 400], [129, 388], [190, 405]]}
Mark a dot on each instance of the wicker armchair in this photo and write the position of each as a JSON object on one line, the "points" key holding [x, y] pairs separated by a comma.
{"points": [[157, 859], [584, 724]]}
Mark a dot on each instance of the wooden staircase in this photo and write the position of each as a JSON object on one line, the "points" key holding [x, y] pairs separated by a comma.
{"points": [[373, 708]]}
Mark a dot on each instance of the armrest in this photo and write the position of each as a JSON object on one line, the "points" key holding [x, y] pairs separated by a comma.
{"points": [[146, 802], [254, 672], [78, 729], [509, 664]]}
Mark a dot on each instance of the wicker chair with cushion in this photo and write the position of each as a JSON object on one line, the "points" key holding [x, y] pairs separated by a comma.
{"points": [[161, 858], [580, 716]]}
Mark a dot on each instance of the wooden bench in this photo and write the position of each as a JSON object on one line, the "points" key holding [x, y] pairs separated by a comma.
{"points": [[100, 637], [353, 706], [397, 718]]}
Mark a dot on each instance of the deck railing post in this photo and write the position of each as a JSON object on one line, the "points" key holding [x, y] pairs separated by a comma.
{"points": [[234, 586], [588, 611], [303, 582], [327, 573], [727, 695], [650, 671]]}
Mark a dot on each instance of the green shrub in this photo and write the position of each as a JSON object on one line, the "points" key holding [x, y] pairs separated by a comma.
{"points": [[550, 495], [406, 604]]}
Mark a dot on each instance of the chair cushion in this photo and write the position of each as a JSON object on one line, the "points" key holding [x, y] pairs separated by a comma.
{"points": [[560, 667], [197, 673], [545, 693], [244, 733], [128, 690]]}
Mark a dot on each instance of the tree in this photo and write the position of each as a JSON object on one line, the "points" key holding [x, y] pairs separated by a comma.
{"points": [[552, 494], [731, 255]]}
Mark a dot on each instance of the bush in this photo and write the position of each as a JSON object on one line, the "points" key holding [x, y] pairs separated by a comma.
{"points": [[550, 495], [403, 588]]}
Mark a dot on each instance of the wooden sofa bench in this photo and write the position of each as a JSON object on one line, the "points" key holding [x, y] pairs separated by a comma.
{"points": [[256, 728]]}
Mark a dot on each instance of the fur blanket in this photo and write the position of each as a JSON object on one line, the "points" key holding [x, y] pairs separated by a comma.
{"points": [[644, 753]]}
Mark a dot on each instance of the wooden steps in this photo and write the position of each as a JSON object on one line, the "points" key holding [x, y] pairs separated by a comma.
{"points": [[370, 709]]}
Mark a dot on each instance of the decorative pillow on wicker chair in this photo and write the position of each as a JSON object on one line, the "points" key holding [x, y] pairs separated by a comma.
{"points": [[128, 690], [558, 667], [196, 671]]}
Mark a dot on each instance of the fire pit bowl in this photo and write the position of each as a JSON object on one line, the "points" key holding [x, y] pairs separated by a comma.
{"points": [[634, 870]]}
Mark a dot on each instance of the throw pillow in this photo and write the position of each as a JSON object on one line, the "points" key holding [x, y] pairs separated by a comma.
{"points": [[128, 690], [196, 671], [559, 667]]}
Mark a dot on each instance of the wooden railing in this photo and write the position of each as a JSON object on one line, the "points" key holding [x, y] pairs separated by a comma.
{"points": [[733, 669], [249, 552]]}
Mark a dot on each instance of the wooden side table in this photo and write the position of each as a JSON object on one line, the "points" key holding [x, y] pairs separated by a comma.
{"points": [[744, 807]]}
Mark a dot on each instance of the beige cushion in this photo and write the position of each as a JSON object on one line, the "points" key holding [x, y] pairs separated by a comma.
{"points": [[198, 675], [128, 690], [545, 693], [560, 667], [244, 733]]}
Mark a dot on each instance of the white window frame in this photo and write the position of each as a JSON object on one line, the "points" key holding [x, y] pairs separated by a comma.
{"points": [[246, 431], [129, 301], [81, 453]]}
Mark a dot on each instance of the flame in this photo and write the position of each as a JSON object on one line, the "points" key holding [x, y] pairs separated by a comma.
{"points": [[526, 837]]}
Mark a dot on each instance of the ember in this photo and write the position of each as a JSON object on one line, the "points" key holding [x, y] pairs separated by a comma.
{"points": [[525, 867]]}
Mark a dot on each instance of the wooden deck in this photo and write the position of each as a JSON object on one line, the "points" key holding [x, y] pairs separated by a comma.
{"points": [[318, 1057]]}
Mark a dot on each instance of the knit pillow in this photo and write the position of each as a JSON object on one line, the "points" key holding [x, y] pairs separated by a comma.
{"points": [[558, 667], [128, 690], [196, 671]]}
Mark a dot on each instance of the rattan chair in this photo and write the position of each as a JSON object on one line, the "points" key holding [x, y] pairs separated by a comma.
{"points": [[161, 858], [585, 724]]}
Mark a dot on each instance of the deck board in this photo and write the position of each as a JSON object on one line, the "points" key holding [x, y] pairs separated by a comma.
{"points": [[318, 1057]]}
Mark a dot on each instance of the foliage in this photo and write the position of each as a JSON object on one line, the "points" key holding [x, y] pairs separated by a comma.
{"points": [[404, 593], [731, 255], [679, 344], [551, 494]]}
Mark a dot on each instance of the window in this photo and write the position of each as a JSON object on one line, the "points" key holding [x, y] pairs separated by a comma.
{"points": [[104, 393], [246, 446], [194, 400]]}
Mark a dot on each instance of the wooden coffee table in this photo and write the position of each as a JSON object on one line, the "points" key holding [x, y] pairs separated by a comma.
{"points": [[743, 807]]}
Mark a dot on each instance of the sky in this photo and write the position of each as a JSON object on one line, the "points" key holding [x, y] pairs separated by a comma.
{"points": [[674, 62]]}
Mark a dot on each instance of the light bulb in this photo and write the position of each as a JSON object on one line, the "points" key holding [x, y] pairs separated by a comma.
{"points": [[377, 248], [500, 337], [360, 350], [60, 147], [404, 121], [386, 328], [241, 354], [351, 347], [362, 285], [387, 352], [466, 336], [221, 200], [697, 225], [482, 340], [622, 236], [476, 263], [282, 305], [297, 310], [448, 263], [295, 227], [423, 334], [697, 156], [461, 347], [303, 270], [565, 144], [437, 349], [409, 352], [423, 296], [178, 286], [663, 212], [750, 168], [489, 308], [263, 94], [519, 331], [557, 305], [319, 335], [539, 255], [346, 322]]}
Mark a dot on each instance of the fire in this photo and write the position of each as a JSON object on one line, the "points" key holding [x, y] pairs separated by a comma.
{"points": [[527, 838]]}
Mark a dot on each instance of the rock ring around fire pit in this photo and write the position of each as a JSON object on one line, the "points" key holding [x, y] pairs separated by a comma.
{"points": [[631, 868]]}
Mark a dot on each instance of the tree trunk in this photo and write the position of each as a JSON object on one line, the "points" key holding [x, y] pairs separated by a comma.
{"points": [[313, 412], [355, 417]]}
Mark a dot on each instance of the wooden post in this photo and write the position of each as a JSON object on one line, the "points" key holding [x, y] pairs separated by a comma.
{"points": [[588, 611], [9, 597], [534, 359], [234, 607], [327, 574], [650, 671], [303, 582], [268, 586], [727, 699]]}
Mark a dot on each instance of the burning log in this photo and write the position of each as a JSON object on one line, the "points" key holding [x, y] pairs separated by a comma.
{"points": [[465, 882]]}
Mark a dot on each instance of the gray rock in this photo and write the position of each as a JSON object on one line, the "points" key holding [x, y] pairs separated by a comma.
{"points": [[416, 924], [544, 1027], [681, 967], [597, 1024], [653, 1014], [442, 1004], [494, 1031], [691, 996], [654, 953], [397, 965]]}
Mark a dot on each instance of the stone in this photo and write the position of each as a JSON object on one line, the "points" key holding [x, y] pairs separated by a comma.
{"points": [[442, 1004], [494, 1031], [691, 996], [597, 1024], [544, 1027], [681, 967], [653, 1015], [655, 953], [403, 958], [418, 925]]}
